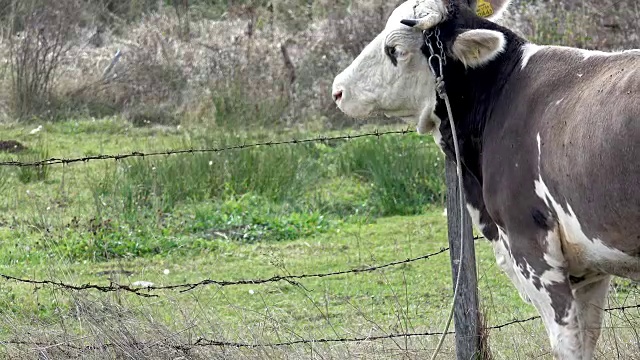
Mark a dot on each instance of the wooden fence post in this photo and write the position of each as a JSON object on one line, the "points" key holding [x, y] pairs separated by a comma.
{"points": [[467, 315]]}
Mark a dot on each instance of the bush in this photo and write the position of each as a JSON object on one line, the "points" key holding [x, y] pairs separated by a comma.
{"points": [[37, 50], [237, 64], [236, 109], [602, 25], [131, 10]]}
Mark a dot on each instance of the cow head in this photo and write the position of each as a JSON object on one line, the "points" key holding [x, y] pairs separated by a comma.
{"points": [[392, 75]]}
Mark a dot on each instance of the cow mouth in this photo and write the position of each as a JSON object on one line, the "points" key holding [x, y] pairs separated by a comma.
{"points": [[404, 115]]}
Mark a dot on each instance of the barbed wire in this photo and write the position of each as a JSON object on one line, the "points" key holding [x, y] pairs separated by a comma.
{"points": [[622, 308], [144, 291], [65, 161], [204, 342], [103, 288]]}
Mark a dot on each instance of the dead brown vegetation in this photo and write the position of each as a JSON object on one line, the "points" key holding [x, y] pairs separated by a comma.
{"points": [[235, 64]]}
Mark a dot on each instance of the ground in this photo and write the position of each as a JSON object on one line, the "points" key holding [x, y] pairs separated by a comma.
{"points": [[246, 214]]}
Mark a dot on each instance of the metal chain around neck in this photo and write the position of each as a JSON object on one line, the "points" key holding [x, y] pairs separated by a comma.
{"points": [[435, 34], [439, 57]]}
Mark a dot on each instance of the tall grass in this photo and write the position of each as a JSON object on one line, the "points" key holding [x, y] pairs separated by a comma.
{"points": [[5, 175], [405, 173], [276, 173], [28, 174], [145, 206], [270, 193], [236, 109]]}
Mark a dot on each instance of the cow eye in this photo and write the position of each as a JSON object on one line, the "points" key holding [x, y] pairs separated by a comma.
{"points": [[391, 53]]}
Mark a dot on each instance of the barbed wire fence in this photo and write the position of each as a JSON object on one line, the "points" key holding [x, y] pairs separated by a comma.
{"points": [[291, 279], [140, 154], [145, 291], [152, 291]]}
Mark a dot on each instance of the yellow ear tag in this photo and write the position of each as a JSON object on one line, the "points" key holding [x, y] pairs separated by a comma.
{"points": [[484, 8]]}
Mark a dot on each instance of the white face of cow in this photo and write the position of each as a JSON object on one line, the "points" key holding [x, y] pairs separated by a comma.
{"points": [[391, 75]]}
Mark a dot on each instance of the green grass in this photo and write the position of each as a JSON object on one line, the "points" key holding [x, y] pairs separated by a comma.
{"points": [[235, 215], [140, 206], [404, 175], [411, 297]]}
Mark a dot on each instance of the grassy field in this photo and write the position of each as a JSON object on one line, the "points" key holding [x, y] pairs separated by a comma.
{"points": [[240, 214]]}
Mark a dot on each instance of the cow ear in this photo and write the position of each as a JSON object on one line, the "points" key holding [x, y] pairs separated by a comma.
{"points": [[491, 9], [475, 48]]}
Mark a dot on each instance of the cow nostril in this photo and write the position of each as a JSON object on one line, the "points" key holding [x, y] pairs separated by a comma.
{"points": [[337, 95]]}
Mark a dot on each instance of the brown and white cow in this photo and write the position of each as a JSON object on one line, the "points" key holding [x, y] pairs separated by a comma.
{"points": [[550, 145]]}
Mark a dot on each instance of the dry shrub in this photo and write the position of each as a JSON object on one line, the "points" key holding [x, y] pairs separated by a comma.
{"points": [[140, 77], [243, 72], [111, 11], [262, 63], [252, 69], [145, 86], [161, 75], [109, 330], [324, 50], [36, 49], [603, 25], [246, 73]]}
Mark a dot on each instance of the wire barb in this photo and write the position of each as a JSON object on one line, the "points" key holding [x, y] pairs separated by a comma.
{"points": [[321, 139], [146, 290]]}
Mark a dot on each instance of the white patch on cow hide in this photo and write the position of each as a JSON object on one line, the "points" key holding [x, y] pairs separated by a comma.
{"points": [[564, 338], [506, 264], [475, 217], [530, 292], [589, 53], [580, 251], [554, 258], [528, 50], [538, 141]]}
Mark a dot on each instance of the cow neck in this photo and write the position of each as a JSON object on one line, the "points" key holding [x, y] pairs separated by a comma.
{"points": [[473, 94]]}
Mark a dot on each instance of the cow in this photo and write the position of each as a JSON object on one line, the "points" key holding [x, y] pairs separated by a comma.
{"points": [[549, 138]]}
